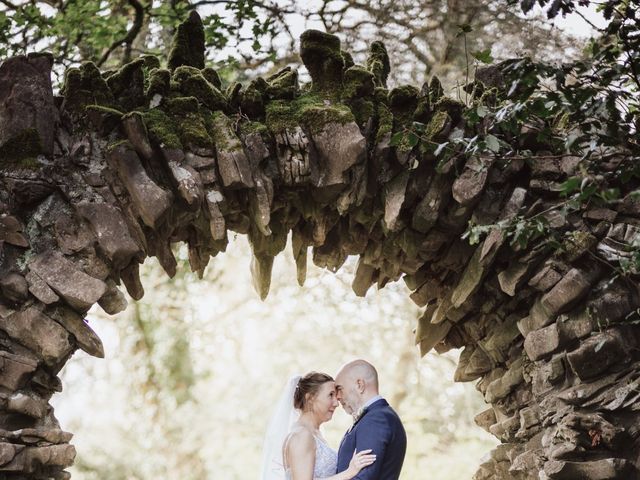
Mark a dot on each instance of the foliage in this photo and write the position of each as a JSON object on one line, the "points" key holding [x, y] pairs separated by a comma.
{"points": [[113, 32], [585, 111]]}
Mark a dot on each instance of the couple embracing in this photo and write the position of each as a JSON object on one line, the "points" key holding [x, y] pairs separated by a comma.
{"points": [[372, 449]]}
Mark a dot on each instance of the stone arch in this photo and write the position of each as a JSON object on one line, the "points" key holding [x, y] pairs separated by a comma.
{"points": [[125, 163]]}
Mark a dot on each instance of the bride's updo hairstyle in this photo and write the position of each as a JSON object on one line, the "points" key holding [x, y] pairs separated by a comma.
{"points": [[308, 388]]}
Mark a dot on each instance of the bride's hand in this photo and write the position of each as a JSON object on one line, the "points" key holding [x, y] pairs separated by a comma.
{"points": [[360, 460]]}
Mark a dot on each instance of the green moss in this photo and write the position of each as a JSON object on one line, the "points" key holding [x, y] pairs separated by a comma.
{"points": [[383, 114], [211, 75], [308, 110], [127, 85], [321, 54], [22, 150], [188, 43], [283, 85], [222, 132], [378, 63], [192, 83], [159, 83], [119, 143], [179, 106], [162, 130], [248, 128], [107, 110], [84, 86]]}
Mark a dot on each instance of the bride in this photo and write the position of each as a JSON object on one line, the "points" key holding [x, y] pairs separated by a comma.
{"points": [[294, 447]]}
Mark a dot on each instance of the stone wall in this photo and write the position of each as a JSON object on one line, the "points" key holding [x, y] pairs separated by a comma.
{"points": [[125, 163]]}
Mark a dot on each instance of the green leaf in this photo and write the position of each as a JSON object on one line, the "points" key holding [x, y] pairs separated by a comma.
{"points": [[482, 111], [464, 29], [483, 56], [492, 143], [396, 139], [570, 186]]}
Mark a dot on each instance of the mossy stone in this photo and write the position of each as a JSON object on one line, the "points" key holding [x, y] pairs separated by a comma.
{"points": [[378, 63], [403, 102], [347, 59], [252, 101], [357, 82], [188, 121], [159, 83], [212, 77], [188, 43], [85, 86], [127, 85], [283, 85], [150, 61], [192, 83], [308, 110], [436, 92], [453, 107], [321, 54], [382, 113], [21, 151]]}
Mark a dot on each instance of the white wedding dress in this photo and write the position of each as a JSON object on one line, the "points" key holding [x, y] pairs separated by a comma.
{"points": [[326, 461]]}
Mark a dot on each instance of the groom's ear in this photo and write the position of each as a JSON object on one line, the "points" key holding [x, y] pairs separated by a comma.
{"points": [[360, 383]]}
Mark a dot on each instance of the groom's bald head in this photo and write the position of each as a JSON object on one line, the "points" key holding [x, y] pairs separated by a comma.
{"points": [[356, 383], [361, 369]]}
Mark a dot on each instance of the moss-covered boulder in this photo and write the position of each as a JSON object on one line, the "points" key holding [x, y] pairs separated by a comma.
{"points": [[283, 85]]}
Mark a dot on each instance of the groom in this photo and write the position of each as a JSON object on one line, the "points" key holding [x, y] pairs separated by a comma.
{"points": [[376, 425]]}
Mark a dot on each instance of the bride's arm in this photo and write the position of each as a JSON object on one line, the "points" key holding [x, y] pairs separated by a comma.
{"points": [[300, 455]]}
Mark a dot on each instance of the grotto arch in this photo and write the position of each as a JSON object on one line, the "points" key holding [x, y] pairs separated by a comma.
{"points": [[125, 163]]}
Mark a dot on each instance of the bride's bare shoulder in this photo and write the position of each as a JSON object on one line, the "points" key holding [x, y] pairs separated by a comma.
{"points": [[300, 438]]}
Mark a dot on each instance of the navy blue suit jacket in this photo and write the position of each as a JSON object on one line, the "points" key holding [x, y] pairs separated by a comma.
{"points": [[381, 430]]}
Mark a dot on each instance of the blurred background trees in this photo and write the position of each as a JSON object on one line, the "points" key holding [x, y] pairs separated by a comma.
{"points": [[193, 370]]}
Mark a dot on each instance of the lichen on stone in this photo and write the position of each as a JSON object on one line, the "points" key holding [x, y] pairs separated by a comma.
{"points": [[437, 125], [188, 43], [378, 63], [436, 92], [22, 150]]}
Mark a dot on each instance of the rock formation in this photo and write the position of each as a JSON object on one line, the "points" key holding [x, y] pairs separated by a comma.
{"points": [[126, 163]]}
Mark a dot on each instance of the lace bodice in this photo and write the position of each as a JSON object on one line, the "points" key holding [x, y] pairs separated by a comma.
{"points": [[326, 461]]}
